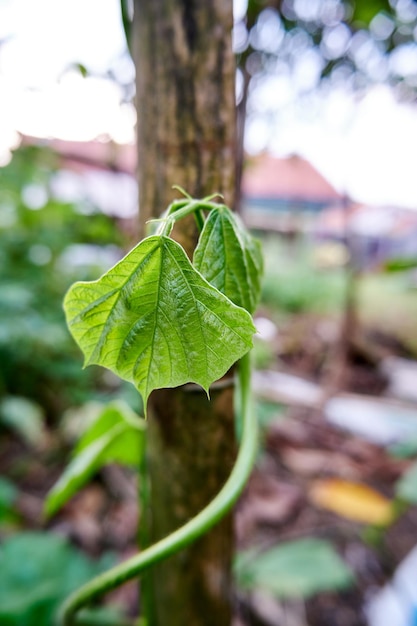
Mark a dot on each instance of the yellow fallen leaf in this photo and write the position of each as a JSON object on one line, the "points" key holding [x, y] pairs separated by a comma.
{"points": [[355, 501]]}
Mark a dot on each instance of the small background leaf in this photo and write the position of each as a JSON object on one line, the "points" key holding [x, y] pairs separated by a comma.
{"points": [[116, 435], [38, 570], [230, 258], [25, 417], [297, 569], [355, 501]]}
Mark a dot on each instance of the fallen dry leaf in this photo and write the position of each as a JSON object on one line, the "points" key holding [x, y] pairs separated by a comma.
{"points": [[354, 501]]}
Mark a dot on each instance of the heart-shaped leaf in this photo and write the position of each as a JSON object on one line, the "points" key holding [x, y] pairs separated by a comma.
{"points": [[230, 258], [156, 322]]}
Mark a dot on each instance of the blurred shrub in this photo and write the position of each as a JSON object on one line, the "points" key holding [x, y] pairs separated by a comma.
{"points": [[38, 359], [38, 570], [292, 284], [8, 497]]}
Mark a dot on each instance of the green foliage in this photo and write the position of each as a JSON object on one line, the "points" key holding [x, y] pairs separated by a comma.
{"points": [[230, 258], [155, 321], [385, 24], [38, 359], [365, 10], [293, 285], [23, 416], [400, 264], [115, 435], [8, 497], [37, 571], [297, 569]]}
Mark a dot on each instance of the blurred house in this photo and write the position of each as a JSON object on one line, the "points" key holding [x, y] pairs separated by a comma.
{"points": [[375, 235], [290, 196], [99, 173], [284, 194]]}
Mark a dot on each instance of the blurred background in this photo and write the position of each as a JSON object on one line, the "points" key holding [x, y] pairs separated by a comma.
{"points": [[326, 92]]}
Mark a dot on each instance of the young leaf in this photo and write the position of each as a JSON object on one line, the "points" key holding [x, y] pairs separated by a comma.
{"points": [[297, 569], [23, 416], [156, 322], [116, 435], [230, 258]]}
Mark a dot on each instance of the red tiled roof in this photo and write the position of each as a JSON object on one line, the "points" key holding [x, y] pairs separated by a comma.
{"points": [[92, 154], [264, 176], [271, 177]]}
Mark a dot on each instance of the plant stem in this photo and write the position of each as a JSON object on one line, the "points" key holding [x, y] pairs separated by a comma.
{"points": [[144, 587], [180, 209], [193, 529], [199, 218], [194, 206]]}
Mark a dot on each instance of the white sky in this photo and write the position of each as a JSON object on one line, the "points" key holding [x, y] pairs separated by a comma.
{"points": [[43, 39], [365, 148]]}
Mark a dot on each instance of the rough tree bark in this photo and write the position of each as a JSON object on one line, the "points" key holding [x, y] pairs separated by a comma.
{"points": [[186, 136]]}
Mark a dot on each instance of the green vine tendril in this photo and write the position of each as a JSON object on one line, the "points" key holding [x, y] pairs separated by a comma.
{"points": [[193, 529]]}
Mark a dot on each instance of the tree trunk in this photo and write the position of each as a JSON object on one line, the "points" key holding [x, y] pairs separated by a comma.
{"points": [[186, 136]]}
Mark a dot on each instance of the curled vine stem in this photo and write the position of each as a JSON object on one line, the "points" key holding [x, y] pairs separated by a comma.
{"points": [[193, 529], [181, 208]]}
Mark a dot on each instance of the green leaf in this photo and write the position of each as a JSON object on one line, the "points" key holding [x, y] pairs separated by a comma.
{"points": [[230, 258], [127, 452], [117, 435], [406, 487], [38, 570], [23, 416], [79, 471], [156, 322], [295, 569], [365, 10]]}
